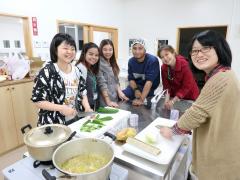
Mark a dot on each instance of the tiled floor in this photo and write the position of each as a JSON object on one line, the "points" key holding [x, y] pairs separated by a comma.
{"points": [[10, 158]]}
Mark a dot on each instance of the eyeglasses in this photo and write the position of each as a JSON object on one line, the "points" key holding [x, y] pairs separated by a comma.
{"points": [[203, 50]]}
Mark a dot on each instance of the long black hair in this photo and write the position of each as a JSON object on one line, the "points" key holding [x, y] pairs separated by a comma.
{"points": [[220, 45], [218, 42], [95, 68]]}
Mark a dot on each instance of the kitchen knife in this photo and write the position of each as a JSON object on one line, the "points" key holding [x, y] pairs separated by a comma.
{"points": [[85, 114], [161, 126]]}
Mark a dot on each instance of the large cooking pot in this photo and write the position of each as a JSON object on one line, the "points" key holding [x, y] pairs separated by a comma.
{"points": [[82, 146], [42, 141]]}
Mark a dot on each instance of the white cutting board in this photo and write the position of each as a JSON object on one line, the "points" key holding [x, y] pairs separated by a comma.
{"points": [[168, 147], [119, 121]]}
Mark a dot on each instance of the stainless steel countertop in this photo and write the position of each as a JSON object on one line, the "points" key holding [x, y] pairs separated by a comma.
{"points": [[146, 116]]}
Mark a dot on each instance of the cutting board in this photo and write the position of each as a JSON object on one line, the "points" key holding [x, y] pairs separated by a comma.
{"points": [[119, 121], [168, 147]]}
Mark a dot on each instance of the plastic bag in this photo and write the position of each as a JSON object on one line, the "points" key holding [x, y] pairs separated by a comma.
{"points": [[18, 66]]}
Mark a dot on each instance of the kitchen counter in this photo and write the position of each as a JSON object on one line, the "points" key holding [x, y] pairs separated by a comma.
{"points": [[13, 82], [147, 114], [140, 168]]}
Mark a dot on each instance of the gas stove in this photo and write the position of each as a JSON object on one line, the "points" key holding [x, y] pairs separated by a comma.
{"points": [[23, 169]]}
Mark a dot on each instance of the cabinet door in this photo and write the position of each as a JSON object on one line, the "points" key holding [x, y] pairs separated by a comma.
{"points": [[25, 111], [8, 134]]}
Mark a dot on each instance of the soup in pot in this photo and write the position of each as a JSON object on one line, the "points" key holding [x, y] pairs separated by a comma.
{"points": [[85, 163]]}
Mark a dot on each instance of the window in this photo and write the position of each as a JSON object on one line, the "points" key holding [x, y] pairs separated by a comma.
{"points": [[17, 44], [6, 43]]}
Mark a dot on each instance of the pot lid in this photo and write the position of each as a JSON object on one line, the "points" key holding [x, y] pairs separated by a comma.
{"points": [[47, 135]]}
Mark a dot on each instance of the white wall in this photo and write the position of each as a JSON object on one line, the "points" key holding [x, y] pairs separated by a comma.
{"points": [[104, 12], [149, 19], [11, 29], [152, 19]]}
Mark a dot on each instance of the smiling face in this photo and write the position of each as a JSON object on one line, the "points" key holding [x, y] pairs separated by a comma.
{"points": [[205, 59], [138, 51], [65, 53], [107, 51], [92, 56], [168, 57]]}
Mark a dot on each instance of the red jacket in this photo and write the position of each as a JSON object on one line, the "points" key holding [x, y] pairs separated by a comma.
{"points": [[182, 83]]}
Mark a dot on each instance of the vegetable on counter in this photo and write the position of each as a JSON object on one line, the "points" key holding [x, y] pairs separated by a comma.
{"points": [[94, 124], [107, 110], [151, 138], [123, 134]]}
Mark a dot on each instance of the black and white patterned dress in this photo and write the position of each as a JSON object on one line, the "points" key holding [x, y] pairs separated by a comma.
{"points": [[49, 86]]}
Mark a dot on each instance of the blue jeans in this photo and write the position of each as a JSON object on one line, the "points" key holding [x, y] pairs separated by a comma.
{"points": [[131, 95]]}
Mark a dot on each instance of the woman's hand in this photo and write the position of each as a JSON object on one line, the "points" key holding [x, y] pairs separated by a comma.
{"points": [[166, 132], [168, 104], [67, 111], [89, 110], [112, 104], [122, 96]]}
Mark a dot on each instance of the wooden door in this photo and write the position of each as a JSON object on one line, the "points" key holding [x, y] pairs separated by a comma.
{"points": [[96, 34], [25, 111], [8, 134]]}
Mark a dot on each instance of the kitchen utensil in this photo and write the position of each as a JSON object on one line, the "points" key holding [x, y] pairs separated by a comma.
{"points": [[143, 146], [42, 141], [160, 126], [47, 176], [80, 146], [23, 170], [119, 121], [84, 114], [168, 147]]}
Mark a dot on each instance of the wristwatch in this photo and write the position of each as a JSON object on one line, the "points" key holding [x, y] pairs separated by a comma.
{"points": [[136, 88]]}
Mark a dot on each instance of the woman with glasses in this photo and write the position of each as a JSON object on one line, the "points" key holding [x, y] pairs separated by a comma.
{"points": [[177, 77], [214, 117]]}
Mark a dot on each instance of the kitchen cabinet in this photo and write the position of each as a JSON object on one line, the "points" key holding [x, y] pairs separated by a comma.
{"points": [[16, 111], [7, 123]]}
